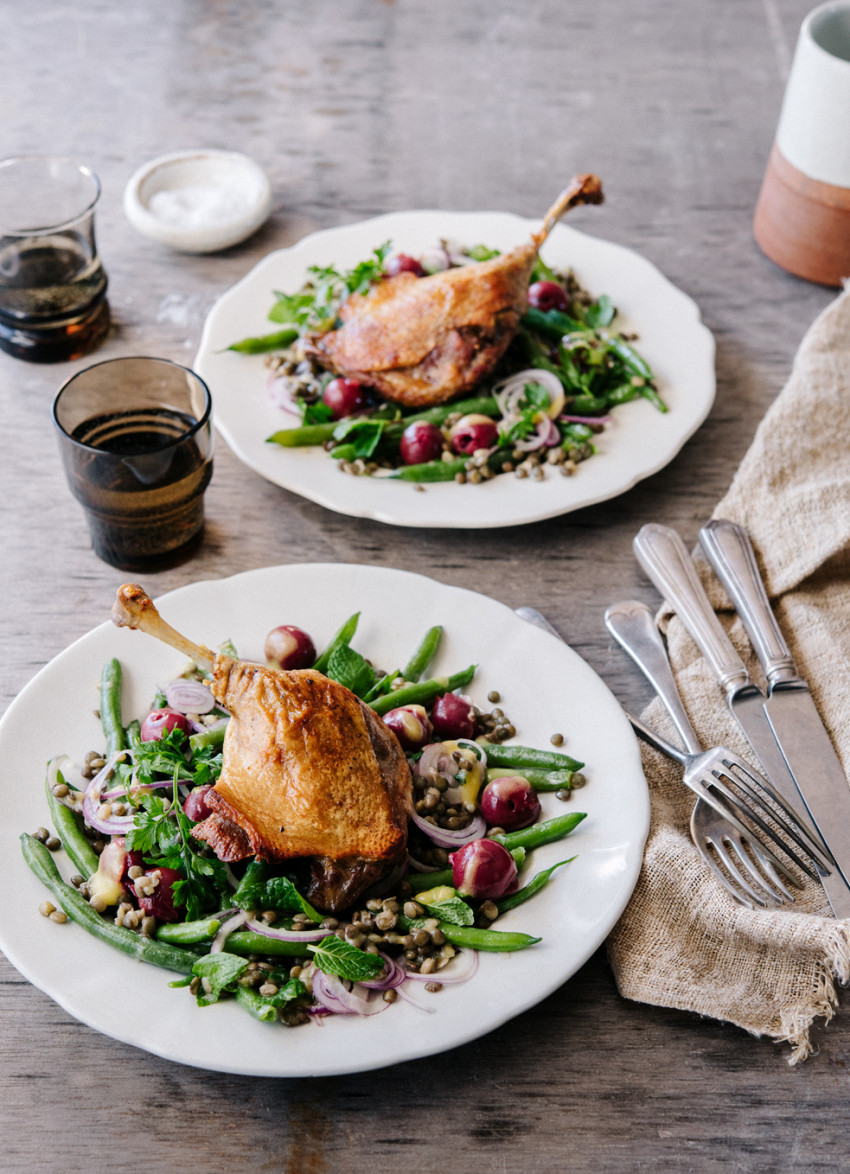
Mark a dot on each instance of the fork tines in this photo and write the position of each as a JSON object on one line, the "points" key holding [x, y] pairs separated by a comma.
{"points": [[755, 788]]}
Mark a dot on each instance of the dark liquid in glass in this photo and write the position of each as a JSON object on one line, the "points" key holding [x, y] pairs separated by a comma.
{"points": [[52, 297], [142, 482]]}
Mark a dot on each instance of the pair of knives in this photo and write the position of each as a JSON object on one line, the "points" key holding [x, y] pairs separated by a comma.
{"points": [[784, 729]]}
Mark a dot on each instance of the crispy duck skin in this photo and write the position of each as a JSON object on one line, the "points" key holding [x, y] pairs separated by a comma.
{"points": [[422, 341], [310, 772]]}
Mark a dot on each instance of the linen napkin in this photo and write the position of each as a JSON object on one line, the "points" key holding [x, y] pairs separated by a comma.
{"points": [[683, 941]]}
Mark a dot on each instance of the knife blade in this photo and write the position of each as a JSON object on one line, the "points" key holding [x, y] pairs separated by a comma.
{"points": [[790, 709], [663, 556]]}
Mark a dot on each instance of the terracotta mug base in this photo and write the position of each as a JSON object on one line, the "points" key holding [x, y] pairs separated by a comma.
{"points": [[802, 224]]}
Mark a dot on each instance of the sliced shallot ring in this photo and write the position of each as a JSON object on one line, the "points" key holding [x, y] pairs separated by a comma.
{"points": [[443, 978], [189, 696], [443, 838], [227, 928], [92, 798], [286, 935], [349, 1001]]}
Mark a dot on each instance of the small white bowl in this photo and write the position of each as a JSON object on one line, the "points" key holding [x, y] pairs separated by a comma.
{"points": [[198, 201]]}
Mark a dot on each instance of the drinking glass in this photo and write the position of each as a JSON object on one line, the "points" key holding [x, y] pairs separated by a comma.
{"points": [[136, 442], [52, 283]]}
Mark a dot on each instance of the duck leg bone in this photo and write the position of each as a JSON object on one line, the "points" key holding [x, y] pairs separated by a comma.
{"points": [[582, 189], [133, 608]]}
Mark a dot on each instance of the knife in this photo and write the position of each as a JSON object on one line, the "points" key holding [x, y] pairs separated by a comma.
{"points": [[665, 559], [790, 709]]}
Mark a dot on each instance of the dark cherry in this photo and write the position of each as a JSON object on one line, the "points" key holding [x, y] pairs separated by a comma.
{"points": [[547, 295], [401, 263], [344, 397], [421, 442]]}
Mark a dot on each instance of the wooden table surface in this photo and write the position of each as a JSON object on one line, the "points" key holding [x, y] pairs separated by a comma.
{"points": [[357, 107]]}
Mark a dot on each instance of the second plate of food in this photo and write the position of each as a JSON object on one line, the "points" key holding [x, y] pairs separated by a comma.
{"points": [[638, 441]]}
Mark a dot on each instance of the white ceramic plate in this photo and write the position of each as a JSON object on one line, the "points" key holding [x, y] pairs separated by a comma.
{"points": [[546, 688], [640, 441]]}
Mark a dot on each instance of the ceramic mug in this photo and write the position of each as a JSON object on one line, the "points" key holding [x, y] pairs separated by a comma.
{"points": [[802, 219]]}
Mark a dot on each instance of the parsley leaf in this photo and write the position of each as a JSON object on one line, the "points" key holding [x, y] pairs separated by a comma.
{"points": [[482, 253], [317, 413], [335, 956], [535, 399]]}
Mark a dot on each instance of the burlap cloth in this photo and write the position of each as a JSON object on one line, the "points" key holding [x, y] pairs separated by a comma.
{"points": [[683, 942]]}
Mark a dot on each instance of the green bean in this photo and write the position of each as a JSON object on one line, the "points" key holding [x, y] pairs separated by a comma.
{"points": [[78, 909], [422, 692], [255, 1004], [188, 933], [69, 828], [306, 435], [213, 736], [247, 942], [484, 405], [520, 756], [343, 636], [541, 780], [430, 471], [265, 342], [110, 707], [553, 324], [491, 940], [423, 655], [420, 882], [541, 833], [381, 686], [534, 886]]}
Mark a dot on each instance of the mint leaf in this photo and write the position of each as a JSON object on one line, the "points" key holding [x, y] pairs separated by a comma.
{"points": [[349, 668], [454, 910], [600, 313], [335, 956], [482, 253], [317, 413], [362, 434], [259, 890], [222, 970]]}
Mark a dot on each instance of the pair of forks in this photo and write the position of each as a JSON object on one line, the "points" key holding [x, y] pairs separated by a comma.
{"points": [[729, 791]]}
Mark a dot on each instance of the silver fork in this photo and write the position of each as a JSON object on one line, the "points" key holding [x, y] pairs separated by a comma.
{"points": [[718, 832]]}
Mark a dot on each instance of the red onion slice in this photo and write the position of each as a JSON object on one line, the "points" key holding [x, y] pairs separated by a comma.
{"points": [[286, 935], [189, 696], [545, 436], [474, 830], [510, 391], [92, 799], [342, 998], [393, 976], [227, 929], [453, 976], [280, 393]]}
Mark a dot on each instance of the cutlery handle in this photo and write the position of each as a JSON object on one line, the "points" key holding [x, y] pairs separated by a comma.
{"points": [[728, 548], [632, 626], [655, 740], [662, 554]]}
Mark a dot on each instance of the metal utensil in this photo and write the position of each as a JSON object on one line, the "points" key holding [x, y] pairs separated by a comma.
{"points": [[665, 559], [792, 713], [722, 780], [662, 554]]}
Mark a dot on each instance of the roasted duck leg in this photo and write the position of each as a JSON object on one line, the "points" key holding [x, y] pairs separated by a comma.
{"points": [[422, 341], [310, 773]]}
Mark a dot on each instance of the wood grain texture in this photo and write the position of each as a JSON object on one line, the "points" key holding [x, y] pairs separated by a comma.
{"points": [[357, 107]]}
